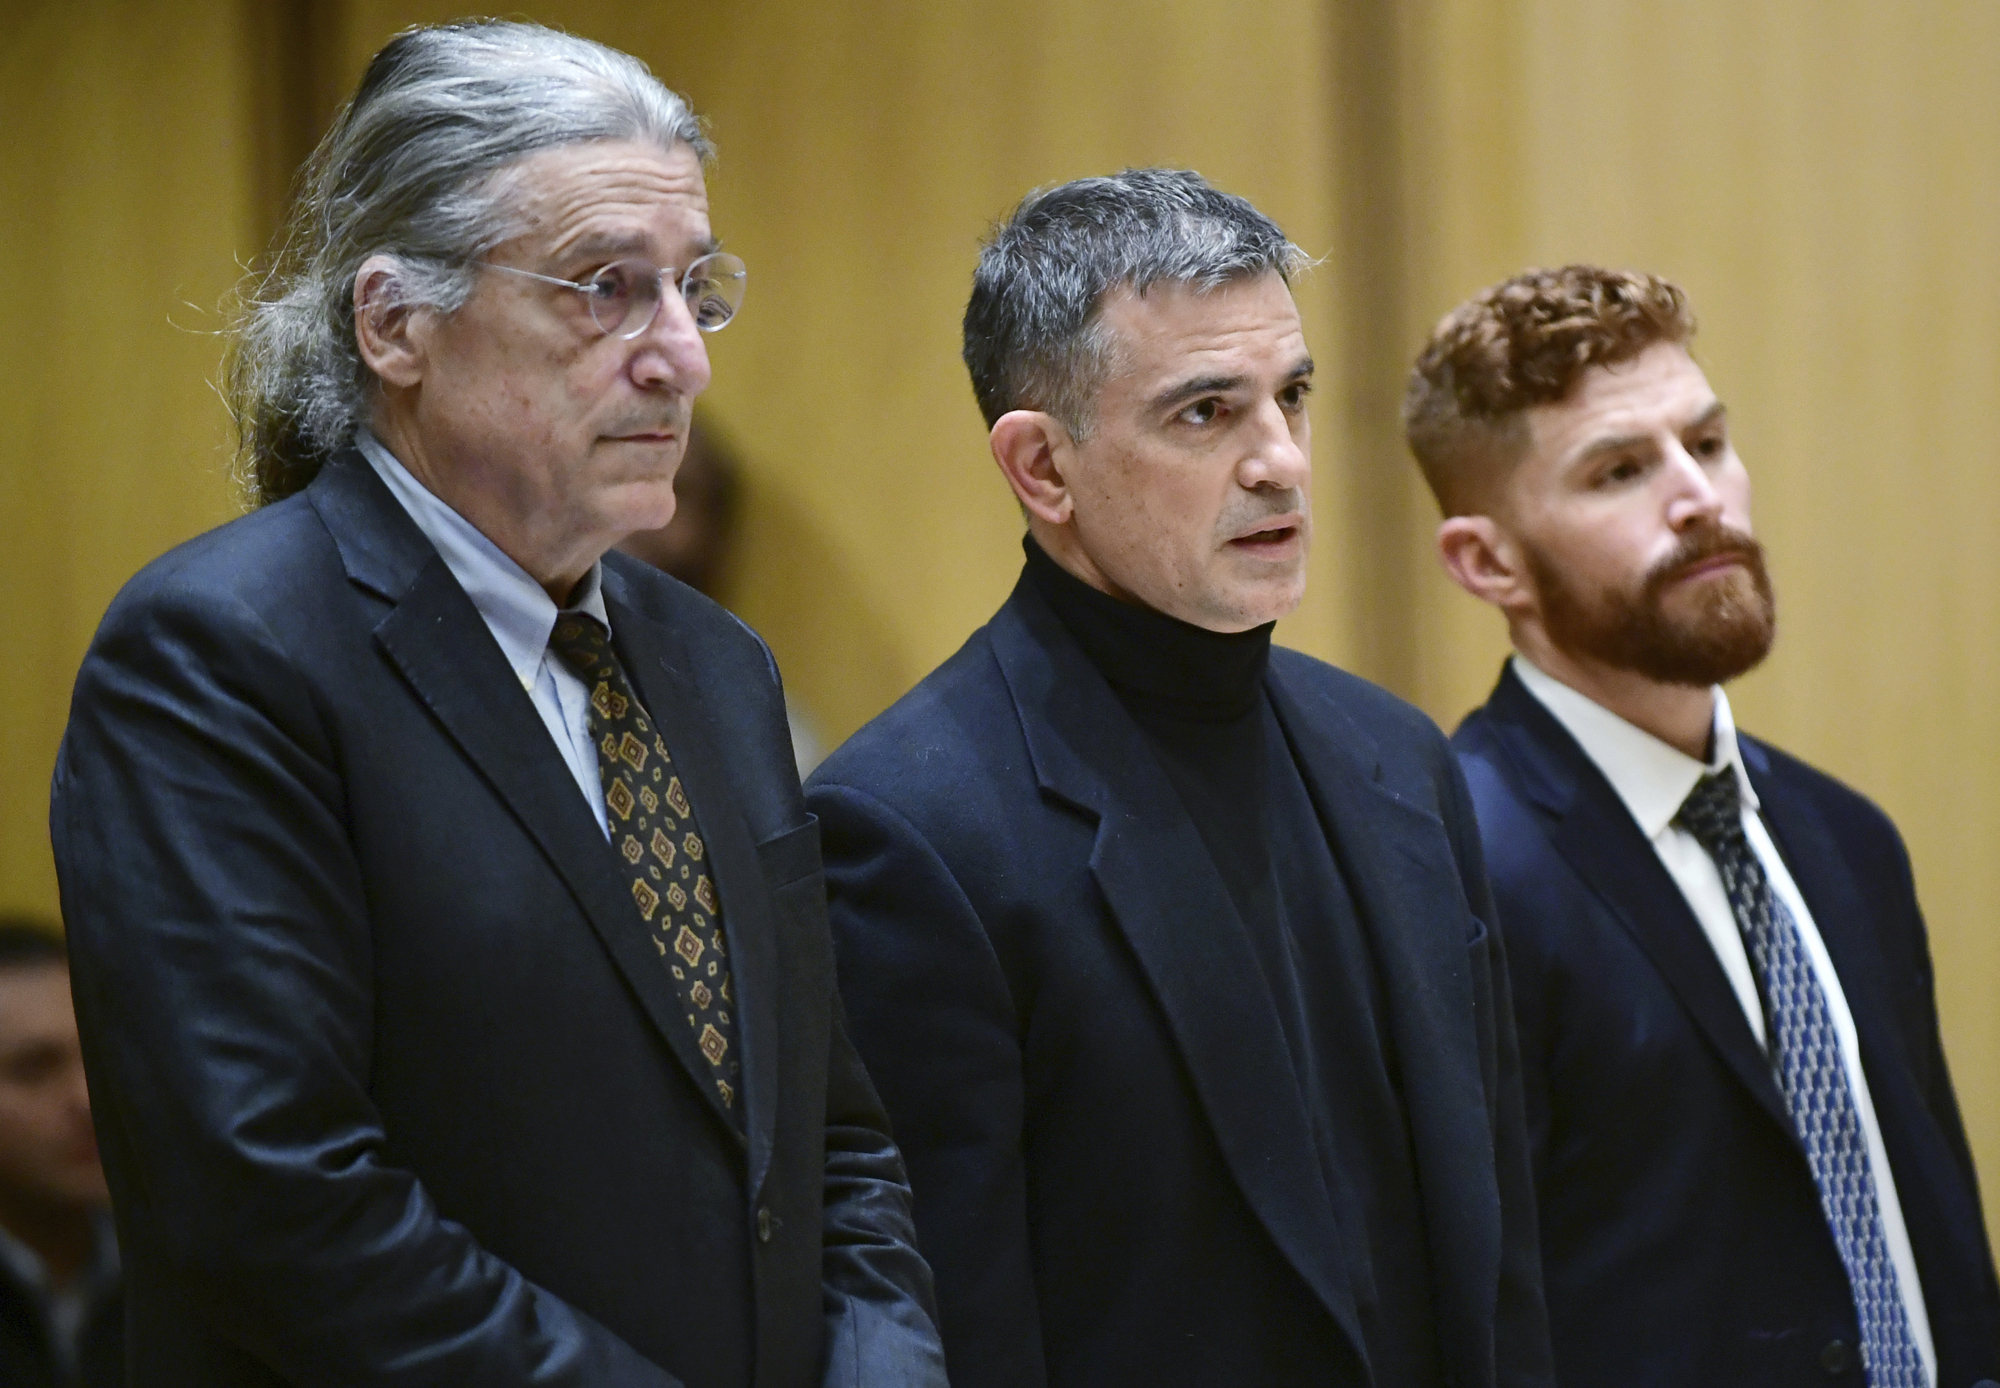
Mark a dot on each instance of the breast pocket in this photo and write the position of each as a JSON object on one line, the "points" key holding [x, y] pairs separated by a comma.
{"points": [[797, 882], [791, 857], [803, 949]]}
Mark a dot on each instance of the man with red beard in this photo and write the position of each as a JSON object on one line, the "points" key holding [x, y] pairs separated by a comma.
{"points": [[1749, 1164]]}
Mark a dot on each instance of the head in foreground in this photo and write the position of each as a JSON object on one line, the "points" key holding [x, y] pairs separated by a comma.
{"points": [[501, 264], [1588, 482], [1139, 360]]}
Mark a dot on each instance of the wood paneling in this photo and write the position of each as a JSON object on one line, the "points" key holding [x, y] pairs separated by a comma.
{"points": [[125, 176], [865, 149], [1819, 173], [1820, 176]]}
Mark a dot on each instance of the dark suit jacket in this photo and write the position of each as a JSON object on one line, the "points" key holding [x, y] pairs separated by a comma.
{"points": [[29, 1360], [1114, 1177], [391, 1086], [1682, 1238]]}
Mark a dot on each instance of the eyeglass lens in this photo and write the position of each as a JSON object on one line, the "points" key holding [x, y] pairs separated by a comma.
{"points": [[625, 295]]}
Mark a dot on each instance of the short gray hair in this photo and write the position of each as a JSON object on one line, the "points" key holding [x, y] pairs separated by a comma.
{"points": [[409, 171], [1033, 336]]}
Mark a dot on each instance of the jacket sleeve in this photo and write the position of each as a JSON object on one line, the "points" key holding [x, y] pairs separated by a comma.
{"points": [[1939, 1097], [934, 1019], [1523, 1357], [881, 1312], [222, 958]]}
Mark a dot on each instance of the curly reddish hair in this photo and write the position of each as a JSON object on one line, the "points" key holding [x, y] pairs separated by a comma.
{"points": [[1523, 342]]}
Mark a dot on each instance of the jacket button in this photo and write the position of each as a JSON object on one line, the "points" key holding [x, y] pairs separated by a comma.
{"points": [[764, 1222], [1836, 1358]]}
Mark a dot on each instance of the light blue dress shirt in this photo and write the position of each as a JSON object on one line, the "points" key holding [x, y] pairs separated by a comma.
{"points": [[518, 612]]}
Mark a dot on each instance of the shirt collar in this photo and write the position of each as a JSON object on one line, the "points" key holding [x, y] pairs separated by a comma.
{"points": [[517, 610], [1652, 778], [27, 1269]]}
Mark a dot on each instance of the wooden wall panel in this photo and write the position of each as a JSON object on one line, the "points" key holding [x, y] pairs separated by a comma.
{"points": [[126, 178], [1820, 177], [1819, 173], [864, 150]]}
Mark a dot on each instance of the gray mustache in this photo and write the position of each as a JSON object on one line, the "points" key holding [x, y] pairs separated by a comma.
{"points": [[1291, 501]]}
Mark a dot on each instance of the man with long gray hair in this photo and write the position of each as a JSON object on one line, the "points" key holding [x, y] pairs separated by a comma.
{"points": [[449, 944], [1169, 949]]}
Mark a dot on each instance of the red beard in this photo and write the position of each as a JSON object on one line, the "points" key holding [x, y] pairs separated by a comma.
{"points": [[1709, 634]]}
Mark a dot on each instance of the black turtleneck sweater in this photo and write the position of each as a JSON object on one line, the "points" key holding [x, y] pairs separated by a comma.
{"points": [[1199, 697]]}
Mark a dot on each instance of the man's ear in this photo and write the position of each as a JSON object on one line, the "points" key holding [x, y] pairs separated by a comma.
{"points": [[1029, 447], [1485, 561], [386, 331]]}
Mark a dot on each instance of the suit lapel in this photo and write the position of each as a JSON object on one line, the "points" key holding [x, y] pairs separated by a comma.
{"points": [[669, 693], [1593, 831], [1945, 1231], [438, 642], [1398, 863], [1838, 912], [1174, 911]]}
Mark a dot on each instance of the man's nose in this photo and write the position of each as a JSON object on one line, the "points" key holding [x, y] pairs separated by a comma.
{"points": [[672, 353], [1282, 456], [1695, 500]]}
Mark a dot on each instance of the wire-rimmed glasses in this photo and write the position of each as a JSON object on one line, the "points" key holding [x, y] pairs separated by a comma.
{"points": [[625, 296]]}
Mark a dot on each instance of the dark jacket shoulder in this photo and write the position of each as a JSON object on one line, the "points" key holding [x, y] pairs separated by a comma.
{"points": [[1863, 831], [929, 746], [256, 567], [1412, 755], [730, 650]]}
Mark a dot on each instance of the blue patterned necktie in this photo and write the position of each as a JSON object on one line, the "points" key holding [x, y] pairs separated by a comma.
{"points": [[1812, 1075]]}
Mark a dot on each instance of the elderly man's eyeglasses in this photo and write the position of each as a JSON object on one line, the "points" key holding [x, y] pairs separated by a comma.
{"points": [[625, 296]]}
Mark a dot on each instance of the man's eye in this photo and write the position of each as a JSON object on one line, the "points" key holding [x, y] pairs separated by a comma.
{"points": [[610, 285], [1202, 412], [1294, 395], [1710, 447]]}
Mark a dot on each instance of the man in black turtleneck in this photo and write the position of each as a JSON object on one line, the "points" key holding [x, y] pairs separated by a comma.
{"points": [[1166, 947]]}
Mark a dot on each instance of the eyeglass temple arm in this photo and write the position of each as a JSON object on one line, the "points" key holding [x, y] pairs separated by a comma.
{"points": [[530, 274], [668, 275]]}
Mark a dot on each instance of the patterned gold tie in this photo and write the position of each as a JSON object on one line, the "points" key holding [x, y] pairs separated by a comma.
{"points": [[659, 845]]}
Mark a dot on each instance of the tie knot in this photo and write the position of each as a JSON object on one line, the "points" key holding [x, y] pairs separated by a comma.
{"points": [[1713, 811], [583, 642]]}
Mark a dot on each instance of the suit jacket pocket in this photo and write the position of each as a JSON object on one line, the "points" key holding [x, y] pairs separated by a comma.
{"points": [[791, 856], [797, 883]]}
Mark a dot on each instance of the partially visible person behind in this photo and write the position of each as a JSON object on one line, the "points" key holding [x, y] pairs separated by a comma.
{"points": [[698, 545], [1749, 1163], [59, 1305], [695, 546]]}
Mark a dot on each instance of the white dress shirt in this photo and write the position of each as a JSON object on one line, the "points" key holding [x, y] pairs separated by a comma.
{"points": [[517, 610], [1653, 779]]}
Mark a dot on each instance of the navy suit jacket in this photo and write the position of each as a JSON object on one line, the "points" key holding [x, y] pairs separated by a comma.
{"points": [[1114, 1176], [391, 1086], [1683, 1243]]}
